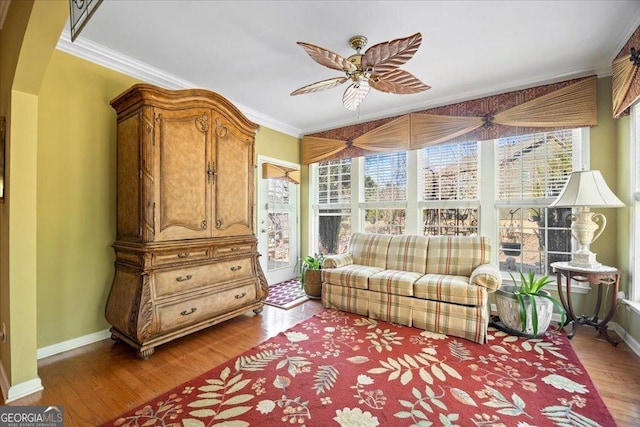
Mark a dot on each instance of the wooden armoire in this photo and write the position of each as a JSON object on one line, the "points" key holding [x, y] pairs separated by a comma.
{"points": [[186, 252]]}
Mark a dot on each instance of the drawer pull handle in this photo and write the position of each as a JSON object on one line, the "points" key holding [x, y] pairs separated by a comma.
{"points": [[236, 268], [235, 248], [242, 295], [184, 278], [183, 255], [188, 312]]}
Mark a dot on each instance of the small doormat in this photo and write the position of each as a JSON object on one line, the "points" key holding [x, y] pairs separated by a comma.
{"points": [[286, 294]]}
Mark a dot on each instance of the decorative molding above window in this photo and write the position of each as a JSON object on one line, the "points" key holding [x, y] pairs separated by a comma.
{"points": [[564, 105], [273, 171], [626, 80]]}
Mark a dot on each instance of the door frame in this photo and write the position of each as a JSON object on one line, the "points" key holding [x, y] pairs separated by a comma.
{"points": [[260, 203]]}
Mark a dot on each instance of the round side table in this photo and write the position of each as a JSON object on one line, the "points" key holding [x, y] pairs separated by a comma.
{"points": [[600, 277]]}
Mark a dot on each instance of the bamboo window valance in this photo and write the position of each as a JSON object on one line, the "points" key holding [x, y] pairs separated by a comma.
{"points": [[567, 104], [270, 170], [626, 81]]}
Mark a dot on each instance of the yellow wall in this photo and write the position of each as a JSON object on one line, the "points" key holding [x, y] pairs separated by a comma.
{"points": [[76, 196], [30, 40], [10, 43], [604, 157], [277, 145]]}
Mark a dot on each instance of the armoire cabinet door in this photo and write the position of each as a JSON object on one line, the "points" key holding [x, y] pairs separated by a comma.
{"points": [[184, 174], [233, 197]]}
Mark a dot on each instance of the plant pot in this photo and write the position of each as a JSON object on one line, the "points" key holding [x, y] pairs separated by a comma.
{"points": [[313, 283], [511, 248], [509, 311]]}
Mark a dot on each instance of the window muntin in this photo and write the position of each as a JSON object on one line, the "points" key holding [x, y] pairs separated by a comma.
{"points": [[450, 171], [385, 177], [534, 166], [385, 221], [450, 221], [400, 199], [531, 238], [332, 206], [532, 170], [334, 182]]}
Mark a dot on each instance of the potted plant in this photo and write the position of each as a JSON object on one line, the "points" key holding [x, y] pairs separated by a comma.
{"points": [[527, 308], [311, 276]]}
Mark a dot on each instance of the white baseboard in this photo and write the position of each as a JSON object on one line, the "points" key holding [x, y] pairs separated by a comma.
{"points": [[11, 393], [633, 344], [18, 391], [72, 344]]}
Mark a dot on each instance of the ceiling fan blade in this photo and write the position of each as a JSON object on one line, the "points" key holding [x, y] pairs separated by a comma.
{"points": [[397, 81], [327, 58], [321, 85], [388, 56], [354, 95]]}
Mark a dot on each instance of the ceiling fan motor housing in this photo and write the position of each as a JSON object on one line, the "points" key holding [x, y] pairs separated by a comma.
{"points": [[358, 42]]}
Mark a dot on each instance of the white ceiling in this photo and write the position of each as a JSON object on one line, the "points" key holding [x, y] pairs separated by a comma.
{"points": [[247, 52]]}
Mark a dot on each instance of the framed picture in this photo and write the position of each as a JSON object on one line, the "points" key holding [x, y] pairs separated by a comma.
{"points": [[2, 137]]}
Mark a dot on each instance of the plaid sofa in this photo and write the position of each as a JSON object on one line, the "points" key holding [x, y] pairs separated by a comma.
{"points": [[440, 284]]}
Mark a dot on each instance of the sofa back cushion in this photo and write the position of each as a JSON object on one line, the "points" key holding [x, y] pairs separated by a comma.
{"points": [[370, 249], [407, 253], [457, 255]]}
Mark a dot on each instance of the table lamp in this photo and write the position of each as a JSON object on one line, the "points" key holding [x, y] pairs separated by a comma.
{"points": [[584, 190]]}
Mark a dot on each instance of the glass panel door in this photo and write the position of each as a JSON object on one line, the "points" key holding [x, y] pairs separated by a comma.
{"points": [[278, 227]]}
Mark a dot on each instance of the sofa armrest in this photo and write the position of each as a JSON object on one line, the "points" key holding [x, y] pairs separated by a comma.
{"points": [[334, 261], [488, 276]]}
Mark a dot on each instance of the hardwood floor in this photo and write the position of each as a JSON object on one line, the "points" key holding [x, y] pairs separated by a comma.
{"points": [[100, 381]]}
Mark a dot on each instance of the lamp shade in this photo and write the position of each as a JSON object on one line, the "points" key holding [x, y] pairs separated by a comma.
{"points": [[587, 188]]}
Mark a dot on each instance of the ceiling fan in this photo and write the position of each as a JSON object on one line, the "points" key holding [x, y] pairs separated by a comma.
{"points": [[377, 68]]}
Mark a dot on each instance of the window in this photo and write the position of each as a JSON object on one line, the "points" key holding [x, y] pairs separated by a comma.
{"points": [[448, 175], [385, 193], [498, 188], [532, 170], [333, 206], [278, 227]]}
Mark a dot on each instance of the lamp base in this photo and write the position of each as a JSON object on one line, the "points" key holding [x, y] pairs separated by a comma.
{"points": [[584, 260]]}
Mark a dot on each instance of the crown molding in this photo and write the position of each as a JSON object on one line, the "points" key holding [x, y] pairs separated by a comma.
{"points": [[625, 34], [100, 55]]}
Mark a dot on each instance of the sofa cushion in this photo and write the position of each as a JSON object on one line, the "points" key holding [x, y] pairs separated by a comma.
{"points": [[448, 288], [354, 276], [394, 282], [455, 255], [370, 249], [407, 253]]}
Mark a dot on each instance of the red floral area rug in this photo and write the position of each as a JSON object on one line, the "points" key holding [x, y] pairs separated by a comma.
{"points": [[286, 294], [343, 369]]}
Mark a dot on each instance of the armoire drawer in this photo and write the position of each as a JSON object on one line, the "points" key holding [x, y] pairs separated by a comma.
{"points": [[162, 258], [180, 280], [202, 307], [235, 249]]}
